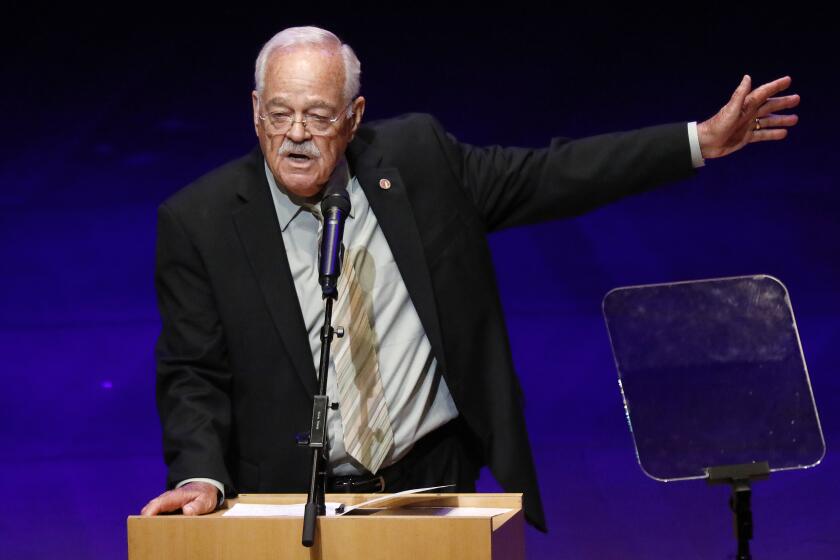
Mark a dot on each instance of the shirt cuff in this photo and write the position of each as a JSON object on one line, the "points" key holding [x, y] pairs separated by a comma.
{"points": [[219, 486], [694, 141]]}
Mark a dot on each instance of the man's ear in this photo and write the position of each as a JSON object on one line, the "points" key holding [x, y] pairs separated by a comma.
{"points": [[358, 112], [255, 104]]}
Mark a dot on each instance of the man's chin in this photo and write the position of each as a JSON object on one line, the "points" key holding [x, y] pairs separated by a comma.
{"points": [[302, 186]]}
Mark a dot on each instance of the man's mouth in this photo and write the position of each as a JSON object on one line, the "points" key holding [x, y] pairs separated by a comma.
{"points": [[299, 157]]}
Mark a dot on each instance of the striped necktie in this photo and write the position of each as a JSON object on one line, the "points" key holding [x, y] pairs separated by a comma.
{"points": [[368, 436]]}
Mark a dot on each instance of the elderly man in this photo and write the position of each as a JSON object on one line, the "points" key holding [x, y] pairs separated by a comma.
{"points": [[424, 378]]}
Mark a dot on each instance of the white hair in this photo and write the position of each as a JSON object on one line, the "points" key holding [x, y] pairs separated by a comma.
{"points": [[294, 37]]}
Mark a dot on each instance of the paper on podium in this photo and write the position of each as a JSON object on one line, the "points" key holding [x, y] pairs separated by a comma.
{"points": [[398, 503], [274, 510], [296, 510], [392, 500], [456, 511]]}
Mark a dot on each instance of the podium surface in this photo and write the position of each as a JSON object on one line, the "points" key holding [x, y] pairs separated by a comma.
{"points": [[393, 532]]}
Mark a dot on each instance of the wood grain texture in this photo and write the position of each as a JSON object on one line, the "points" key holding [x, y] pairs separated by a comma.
{"points": [[379, 534]]}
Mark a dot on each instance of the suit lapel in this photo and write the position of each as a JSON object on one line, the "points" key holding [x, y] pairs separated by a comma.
{"points": [[395, 216], [259, 232]]}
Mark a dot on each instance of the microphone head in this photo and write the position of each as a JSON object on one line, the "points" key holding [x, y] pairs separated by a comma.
{"points": [[336, 197]]}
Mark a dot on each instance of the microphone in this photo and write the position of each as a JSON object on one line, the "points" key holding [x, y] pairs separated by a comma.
{"points": [[335, 207]]}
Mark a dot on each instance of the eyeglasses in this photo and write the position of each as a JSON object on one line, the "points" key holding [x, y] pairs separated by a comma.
{"points": [[281, 122]]}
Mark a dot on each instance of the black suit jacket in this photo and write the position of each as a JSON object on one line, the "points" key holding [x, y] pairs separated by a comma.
{"points": [[235, 372]]}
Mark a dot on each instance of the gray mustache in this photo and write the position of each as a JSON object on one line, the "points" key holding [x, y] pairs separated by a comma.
{"points": [[307, 148]]}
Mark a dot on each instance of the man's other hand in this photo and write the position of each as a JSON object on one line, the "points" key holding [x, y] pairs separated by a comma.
{"points": [[194, 498], [749, 116]]}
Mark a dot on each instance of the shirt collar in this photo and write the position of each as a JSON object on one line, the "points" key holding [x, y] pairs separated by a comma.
{"points": [[289, 206]]}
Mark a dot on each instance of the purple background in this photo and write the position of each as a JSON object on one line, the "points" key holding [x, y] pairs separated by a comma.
{"points": [[105, 114]]}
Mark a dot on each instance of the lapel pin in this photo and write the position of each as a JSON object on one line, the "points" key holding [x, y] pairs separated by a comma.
{"points": [[384, 184]]}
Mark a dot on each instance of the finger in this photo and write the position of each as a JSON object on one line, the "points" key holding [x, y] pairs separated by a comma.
{"points": [[775, 104], [202, 503], [740, 94], [168, 501], [150, 509], [772, 121], [770, 134], [760, 94]]}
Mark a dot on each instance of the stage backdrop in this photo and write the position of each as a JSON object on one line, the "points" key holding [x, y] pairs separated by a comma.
{"points": [[107, 113]]}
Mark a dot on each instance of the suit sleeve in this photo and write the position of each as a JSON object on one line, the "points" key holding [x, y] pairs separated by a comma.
{"points": [[517, 186], [193, 376]]}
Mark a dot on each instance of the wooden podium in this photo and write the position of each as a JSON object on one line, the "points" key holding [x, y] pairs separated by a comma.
{"points": [[388, 533]]}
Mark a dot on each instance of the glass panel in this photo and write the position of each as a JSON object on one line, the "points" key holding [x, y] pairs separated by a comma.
{"points": [[712, 374]]}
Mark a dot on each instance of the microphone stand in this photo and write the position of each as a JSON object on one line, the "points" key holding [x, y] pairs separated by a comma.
{"points": [[317, 440], [335, 207]]}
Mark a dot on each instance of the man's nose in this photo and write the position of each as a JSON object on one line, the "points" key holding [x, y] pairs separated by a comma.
{"points": [[298, 132]]}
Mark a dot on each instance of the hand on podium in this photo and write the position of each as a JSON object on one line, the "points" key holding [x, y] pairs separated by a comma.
{"points": [[194, 498]]}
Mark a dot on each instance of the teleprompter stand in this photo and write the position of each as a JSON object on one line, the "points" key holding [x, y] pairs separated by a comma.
{"points": [[740, 477]]}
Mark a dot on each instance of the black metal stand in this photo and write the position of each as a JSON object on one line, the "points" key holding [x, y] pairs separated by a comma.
{"points": [[317, 439], [740, 478]]}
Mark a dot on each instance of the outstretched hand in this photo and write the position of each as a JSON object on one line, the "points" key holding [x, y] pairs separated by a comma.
{"points": [[193, 498], [749, 116]]}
